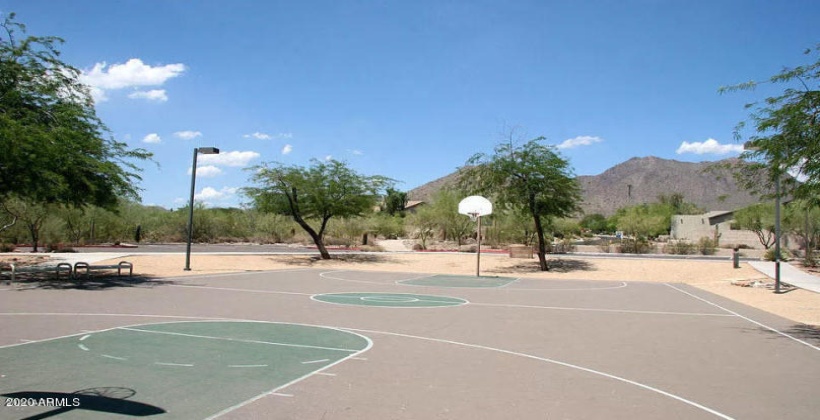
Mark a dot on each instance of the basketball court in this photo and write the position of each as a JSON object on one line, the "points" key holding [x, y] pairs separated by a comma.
{"points": [[309, 343]]}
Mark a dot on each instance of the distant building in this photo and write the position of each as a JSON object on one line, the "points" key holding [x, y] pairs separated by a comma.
{"points": [[413, 205], [714, 224]]}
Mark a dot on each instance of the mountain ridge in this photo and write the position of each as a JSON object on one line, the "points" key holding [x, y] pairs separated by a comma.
{"points": [[641, 180]]}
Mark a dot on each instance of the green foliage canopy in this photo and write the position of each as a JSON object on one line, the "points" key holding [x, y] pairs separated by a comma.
{"points": [[759, 218], [54, 147], [532, 176], [318, 192], [787, 130]]}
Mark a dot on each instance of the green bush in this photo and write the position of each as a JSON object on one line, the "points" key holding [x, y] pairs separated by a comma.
{"points": [[7, 247], [679, 248], [707, 246], [634, 246], [785, 255]]}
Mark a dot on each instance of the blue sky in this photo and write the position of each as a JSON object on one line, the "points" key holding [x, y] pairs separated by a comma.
{"points": [[411, 89]]}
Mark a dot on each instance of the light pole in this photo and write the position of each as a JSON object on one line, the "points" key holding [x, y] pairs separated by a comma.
{"points": [[204, 151], [749, 146]]}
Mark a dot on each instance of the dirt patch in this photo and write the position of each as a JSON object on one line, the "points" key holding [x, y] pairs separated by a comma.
{"points": [[21, 261]]}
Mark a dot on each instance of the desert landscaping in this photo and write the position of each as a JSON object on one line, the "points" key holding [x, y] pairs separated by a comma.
{"points": [[712, 276]]}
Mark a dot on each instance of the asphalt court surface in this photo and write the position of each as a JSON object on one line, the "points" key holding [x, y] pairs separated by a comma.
{"points": [[521, 349]]}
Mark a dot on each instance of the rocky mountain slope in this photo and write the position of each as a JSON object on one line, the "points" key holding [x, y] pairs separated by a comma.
{"points": [[641, 180]]}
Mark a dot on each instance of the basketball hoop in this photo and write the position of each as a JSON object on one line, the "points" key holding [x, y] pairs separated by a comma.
{"points": [[476, 206]]}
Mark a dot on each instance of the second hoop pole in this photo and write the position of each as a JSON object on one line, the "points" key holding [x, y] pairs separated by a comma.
{"points": [[478, 250]]}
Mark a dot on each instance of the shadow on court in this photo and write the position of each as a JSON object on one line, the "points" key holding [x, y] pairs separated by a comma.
{"points": [[95, 282], [804, 332], [109, 400], [353, 259], [563, 265]]}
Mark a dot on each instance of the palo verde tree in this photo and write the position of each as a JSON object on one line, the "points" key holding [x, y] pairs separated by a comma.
{"points": [[533, 177], [787, 131], [54, 147], [758, 218], [315, 194]]}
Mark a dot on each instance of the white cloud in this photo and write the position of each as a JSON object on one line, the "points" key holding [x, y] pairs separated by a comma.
{"points": [[212, 196], [132, 73], [579, 141], [287, 149], [187, 134], [328, 157], [150, 95], [258, 135], [710, 146], [356, 152], [235, 158], [266, 136], [152, 138], [207, 171]]}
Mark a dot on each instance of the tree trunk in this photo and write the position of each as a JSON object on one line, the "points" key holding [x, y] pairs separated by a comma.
{"points": [[317, 238], [542, 248], [35, 237]]}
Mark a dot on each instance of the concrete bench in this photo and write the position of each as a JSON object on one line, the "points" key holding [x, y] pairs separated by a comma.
{"points": [[88, 267], [57, 269]]}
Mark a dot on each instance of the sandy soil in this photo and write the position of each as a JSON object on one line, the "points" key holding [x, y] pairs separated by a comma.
{"points": [[716, 277]]}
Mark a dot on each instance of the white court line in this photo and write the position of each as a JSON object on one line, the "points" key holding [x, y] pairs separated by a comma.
{"points": [[577, 289], [325, 374], [565, 364], [174, 364], [238, 340], [82, 347], [278, 394], [113, 357], [325, 275], [465, 301], [625, 311], [505, 285], [310, 362], [386, 295], [746, 318], [84, 337], [246, 366], [208, 276], [194, 318], [232, 289], [275, 390]]}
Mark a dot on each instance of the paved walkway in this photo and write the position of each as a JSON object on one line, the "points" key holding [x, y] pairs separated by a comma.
{"points": [[789, 274]]}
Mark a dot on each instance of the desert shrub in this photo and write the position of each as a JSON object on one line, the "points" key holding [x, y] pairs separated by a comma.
{"points": [[418, 247], [371, 248], [564, 246], [634, 246], [335, 241], [386, 226], [738, 246], [605, 246], [785, 255], [679, 248], [707, 246], [7, 247], [52, 247], [468, 248]]}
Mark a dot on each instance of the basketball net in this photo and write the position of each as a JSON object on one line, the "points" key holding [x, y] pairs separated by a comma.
{"points": [[473, 216]]}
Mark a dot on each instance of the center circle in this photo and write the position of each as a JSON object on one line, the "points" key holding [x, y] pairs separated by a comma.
{"points": [[388, 300]]}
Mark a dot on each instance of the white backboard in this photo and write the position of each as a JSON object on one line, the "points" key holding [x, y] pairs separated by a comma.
{"points": [[475, 205]]}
